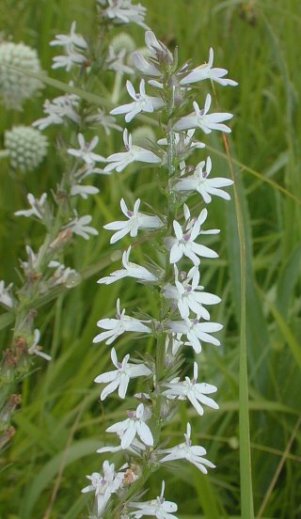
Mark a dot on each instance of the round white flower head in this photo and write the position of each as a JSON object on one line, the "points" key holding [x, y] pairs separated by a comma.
{"points": [[201, 119], [192, 453], [191, 390], [116, 327], [158, 507], [120, 377], [136, 221], [15, 85], [26, 147], [133, 426]]}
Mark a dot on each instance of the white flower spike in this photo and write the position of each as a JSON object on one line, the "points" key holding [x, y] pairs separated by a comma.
{"points": [[120, 377]]}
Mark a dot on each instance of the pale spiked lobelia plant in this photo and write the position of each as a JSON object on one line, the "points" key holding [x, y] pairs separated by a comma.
{"points": [[43, 272], [177, 231]]}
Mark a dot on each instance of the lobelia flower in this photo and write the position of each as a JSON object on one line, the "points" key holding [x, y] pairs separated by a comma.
{"points": [[120, 377], [58, 109], [192, 453], [206, 187], [130, 270], [85, 150], [119, 161], [183, 142], [201, 119], [189, 295], [73, 45], [35, 349], [37, 207], [184, 242], [116, 327], [159, 53], [142, 103], [83, 191], [158, 507], [191, 390], [123, 12], [137, 447], [105, 120], [116, 61], [80, 226], [196, 332], [63, 275], [207, 71], [5, 295], [133, 426], [136, 221], [104, 485]]}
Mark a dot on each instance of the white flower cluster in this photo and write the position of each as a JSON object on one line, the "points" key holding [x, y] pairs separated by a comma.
{"points": [[18, 64], [26, 147], [184, 319], [122, 12], [74, 46]]}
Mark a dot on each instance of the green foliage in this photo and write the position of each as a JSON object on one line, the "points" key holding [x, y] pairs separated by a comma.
{"points": [[61, 421]]}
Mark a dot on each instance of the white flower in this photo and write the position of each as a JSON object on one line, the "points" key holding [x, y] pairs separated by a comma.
{"points": [[35, 349], [73, 45], [57, 110], [196, 332], [130, 270], [184, 242], [192, 390], [133, 426], [63, 275], [119, 161], [37, 207], [104, 485], [116, 327], [105, 120], [192, 453], [158, 53], [80, 227], [120, 377], [83, 191], [201, 119], [142, 103], [136, 221], [206, 187], [184, 142], [207, 71], [189, 295], [5, 296], [123, 12], [85, 150], [116, 60], [158, 507]]}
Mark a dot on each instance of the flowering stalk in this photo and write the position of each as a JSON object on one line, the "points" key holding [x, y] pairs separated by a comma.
{"points": [[44, 273], [183, 319]]}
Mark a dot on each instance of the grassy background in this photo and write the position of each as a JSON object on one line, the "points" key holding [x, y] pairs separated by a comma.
{"points": [[61, 421]]}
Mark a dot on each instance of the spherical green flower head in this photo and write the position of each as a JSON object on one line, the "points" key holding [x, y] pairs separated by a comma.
{"points": [[17, 86], [26, 147]]}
